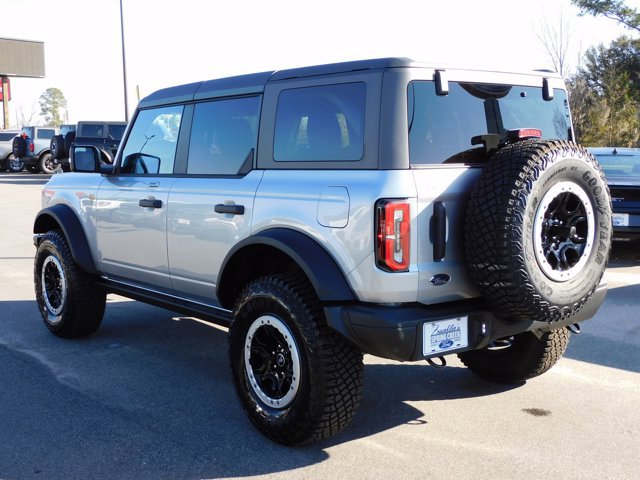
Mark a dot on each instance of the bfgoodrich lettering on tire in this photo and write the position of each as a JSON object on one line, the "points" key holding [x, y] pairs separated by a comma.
{"points": [[70, 302], [538, 230], [297, 380]]}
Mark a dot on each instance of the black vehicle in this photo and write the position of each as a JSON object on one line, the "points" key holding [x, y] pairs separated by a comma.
{"points": [[104, 135], [622, 169]]}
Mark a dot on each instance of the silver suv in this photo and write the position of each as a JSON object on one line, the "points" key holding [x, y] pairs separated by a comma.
{"points": [[381, 206], [32, 150]]}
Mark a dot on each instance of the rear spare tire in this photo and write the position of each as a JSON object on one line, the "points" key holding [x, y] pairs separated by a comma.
{"points": [[57, 147], [538, 230], [69, 138], [19, 147]]}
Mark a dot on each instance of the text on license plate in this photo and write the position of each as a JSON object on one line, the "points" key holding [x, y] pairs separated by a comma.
{"points": [[444, 335]]}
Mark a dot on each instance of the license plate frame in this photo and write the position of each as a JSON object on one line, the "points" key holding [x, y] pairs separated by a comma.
{"points": [[620, 219], [446, 335]]}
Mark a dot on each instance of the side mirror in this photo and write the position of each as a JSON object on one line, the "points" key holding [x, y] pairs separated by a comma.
{"points": [[84, 159], [141, 163]]}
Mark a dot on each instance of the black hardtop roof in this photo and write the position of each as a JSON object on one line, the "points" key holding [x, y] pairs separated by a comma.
{"points": [[255, 82]]}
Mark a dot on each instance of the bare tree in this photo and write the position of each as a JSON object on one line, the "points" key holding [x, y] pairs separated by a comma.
{"points": [[555, 38], [24, 117]]}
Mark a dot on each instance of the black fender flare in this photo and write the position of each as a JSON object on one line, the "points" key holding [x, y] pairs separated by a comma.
{"points": [[318, 265], [64, 218]]}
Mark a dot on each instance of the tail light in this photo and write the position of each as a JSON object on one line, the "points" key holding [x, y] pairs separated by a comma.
{"points": [[522, 133], [31, 147], [392, 235]]}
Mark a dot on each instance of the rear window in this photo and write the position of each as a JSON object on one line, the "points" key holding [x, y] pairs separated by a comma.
{"points": [[322, 123], [46, 133], [441, 127], [620, 165]]}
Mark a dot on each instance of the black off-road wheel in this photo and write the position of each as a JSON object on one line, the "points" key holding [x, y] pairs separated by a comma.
{"points": [[48, 165], [538, 230], [297, 380], [14, 164], [517, 358], [70, 302]]}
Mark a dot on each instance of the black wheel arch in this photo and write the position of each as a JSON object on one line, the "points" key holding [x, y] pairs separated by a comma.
{"points": [[279, 250], [62, 217]]}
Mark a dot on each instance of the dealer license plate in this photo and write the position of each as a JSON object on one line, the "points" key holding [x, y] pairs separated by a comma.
{"points": [[620, 219], [445, 335]]}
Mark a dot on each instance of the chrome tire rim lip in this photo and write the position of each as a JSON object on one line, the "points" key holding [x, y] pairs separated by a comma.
{"points": [[278, 359], [563, 252], [54, 287]]}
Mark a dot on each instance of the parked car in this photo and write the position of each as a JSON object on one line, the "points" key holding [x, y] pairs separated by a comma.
{"points": [[33, 150], [6, 148], [378, 206], [104, 135], [622, 170]]}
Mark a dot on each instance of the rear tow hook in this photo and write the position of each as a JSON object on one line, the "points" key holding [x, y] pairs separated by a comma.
{"points": [[442, 364], [575, 328]]}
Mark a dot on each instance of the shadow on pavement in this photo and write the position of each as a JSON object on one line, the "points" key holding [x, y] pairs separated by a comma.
{"points": [[146, 390]]}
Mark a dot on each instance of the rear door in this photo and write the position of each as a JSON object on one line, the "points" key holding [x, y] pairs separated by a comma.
{"points": [[211, 204], [447, 150]]}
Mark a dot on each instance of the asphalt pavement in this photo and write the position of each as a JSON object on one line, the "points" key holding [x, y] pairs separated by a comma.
{"points": [[150, 396]]}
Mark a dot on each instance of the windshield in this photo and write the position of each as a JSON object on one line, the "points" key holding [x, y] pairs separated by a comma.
{"points": [[441, 128]]}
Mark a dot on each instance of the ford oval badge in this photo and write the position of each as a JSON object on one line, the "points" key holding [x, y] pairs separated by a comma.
{"points": [[445, 344], [439, 279]]}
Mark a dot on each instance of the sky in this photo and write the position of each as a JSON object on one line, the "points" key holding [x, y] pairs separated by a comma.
{"points": [[169, 42]]}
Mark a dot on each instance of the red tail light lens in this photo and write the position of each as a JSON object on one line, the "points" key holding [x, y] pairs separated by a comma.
{"points": [[392, 235], [522, 133], [31, 147]]}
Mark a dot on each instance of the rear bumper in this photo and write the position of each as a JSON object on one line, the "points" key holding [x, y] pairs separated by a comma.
{"points": [[395, 332]]}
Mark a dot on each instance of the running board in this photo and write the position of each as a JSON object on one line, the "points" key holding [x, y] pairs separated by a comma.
{"points": [[210, 313]]}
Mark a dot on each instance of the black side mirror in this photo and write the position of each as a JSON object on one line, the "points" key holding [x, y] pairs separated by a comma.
{"points": [[141, 163], [84, 159]]}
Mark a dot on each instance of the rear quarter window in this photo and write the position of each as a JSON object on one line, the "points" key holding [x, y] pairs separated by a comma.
{"points": [[321, 123]]}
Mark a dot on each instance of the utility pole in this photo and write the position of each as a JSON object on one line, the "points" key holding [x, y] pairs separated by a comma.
{"points": [[124, 67], [5, 100]]}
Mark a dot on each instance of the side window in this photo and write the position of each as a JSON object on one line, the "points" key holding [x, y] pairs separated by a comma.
{"points": [[323, 123], [151, 144], [117, 131], [92, 130], [223, 136]]}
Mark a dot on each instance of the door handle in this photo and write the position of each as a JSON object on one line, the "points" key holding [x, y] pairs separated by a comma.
{"points": [[439, 231], [232, 209], [150, 203]]}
